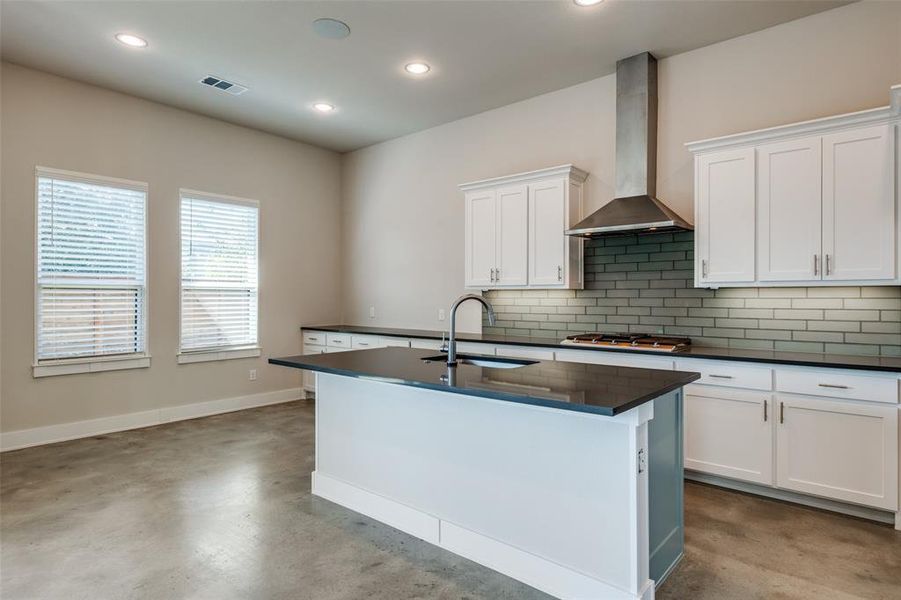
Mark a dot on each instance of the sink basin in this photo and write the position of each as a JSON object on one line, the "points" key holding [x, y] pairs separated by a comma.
{"points": [[483, 361]]}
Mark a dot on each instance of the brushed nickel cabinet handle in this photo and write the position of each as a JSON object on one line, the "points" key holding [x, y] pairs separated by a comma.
{"points": [[721, 376], [704, 268], [492, 275], [497, 274], [782, 412], [559, 273], [827, 265], [816, 269], [765, 402], [834, 385]]}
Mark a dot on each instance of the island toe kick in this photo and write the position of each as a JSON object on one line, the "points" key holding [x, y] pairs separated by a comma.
{"points": [[557, 499]]}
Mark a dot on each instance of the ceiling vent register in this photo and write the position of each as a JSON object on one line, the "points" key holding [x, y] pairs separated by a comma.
{"points": [[220, 84]]}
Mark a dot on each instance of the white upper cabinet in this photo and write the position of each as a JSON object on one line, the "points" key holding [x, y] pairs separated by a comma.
{"points": [[724, 210], [547, 247], [515, 230], [816, 203], [512, 239], [859, 230], [481, 237], [789, 215]]}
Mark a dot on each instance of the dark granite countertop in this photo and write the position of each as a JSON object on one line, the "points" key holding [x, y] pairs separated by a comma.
{"points": [[836, 361], [598, 389]]}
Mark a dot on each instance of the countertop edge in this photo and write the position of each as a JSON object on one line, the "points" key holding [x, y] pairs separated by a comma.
{"points": [[698, 352], [297, 362]]}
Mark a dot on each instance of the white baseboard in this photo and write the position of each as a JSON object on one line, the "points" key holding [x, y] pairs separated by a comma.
{"points": [[24, 438], [540, 573]]}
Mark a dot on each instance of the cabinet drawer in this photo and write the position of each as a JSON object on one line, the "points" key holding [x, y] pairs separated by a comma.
{"points": [[714, 372], [315, 338], [475, 348], [389, 342], [314, 349], [520, 352], [837, 384], [361, 342], [616, 359], [338, 340], [424, 344]]}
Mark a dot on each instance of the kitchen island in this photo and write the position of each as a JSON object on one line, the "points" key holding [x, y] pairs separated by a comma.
{"points": [[565, 476]]}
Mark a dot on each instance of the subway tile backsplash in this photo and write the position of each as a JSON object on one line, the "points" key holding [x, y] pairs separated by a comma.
{"points": [[644, 284]]}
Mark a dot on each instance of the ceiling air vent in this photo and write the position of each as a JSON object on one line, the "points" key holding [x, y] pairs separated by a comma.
{"points": [[221, 84]]}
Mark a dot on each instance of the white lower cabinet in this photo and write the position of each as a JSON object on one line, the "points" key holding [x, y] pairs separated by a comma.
{"points": [[729, 433], [842, 450]]}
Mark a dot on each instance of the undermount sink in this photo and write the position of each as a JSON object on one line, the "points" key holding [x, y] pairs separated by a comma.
{"points": [[483, 361]]}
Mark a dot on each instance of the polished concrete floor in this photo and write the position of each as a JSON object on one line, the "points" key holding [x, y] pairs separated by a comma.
{"points": [[220, 508]]}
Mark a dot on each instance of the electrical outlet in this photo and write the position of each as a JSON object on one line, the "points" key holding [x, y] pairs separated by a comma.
{"points": [[371, 312], [441, 314], [252, 375]]}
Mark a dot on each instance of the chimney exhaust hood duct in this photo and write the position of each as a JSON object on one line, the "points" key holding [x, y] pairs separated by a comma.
{"points": [[635, 208]]}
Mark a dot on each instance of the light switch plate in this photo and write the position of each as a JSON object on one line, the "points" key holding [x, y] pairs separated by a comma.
{"points": [[441, 314], [371, 312]]}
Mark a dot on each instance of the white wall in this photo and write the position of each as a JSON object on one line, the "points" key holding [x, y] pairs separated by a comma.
{"points": [[403, 215], [55, 122]]}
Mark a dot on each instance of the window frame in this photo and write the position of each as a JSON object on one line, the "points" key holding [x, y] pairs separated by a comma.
{"points": [[100, 362], [223, 352]]}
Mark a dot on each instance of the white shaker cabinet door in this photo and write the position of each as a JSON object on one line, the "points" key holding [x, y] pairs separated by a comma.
{"points": [[729, 433], [512, 236], [789, 209], [481, 238], [859, 204], [724, 228], [547, 242], [842, 450]]}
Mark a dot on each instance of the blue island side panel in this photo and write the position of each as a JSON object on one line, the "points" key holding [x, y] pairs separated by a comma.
{"points": [[665, 486]]}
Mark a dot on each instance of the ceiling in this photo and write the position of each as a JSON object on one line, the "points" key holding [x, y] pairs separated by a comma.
{"points": [[483, 54]]}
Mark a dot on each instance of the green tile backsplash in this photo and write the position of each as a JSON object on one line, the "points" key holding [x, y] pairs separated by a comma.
{"points": [[644, 283]]}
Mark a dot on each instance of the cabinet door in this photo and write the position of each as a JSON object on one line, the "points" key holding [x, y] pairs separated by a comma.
{"points": [[724, 232], [729, 433], [512, 236], [481, 238], [859, 204], [789, 207], [842, 450], [547, 242]]}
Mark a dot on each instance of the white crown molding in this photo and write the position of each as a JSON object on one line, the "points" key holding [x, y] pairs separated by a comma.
{"points": [[572, 172], [24, 438], [863, 118]]}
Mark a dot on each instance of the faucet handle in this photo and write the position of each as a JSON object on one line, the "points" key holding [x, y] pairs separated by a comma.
{"points": [[443, 347]]}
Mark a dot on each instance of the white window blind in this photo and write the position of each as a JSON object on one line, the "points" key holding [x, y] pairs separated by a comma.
{"points": [[218, 272], [90, 267]]}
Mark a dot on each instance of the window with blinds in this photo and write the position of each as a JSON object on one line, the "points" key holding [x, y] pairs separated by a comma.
{"points": [[91, 286], [218, 272]]}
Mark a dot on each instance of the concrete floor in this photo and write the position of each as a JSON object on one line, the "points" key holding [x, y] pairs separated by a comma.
{"points": [[221, 508]]}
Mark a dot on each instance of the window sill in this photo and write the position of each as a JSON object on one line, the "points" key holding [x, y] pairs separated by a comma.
{"points": [[95, 365], [185, 358]]}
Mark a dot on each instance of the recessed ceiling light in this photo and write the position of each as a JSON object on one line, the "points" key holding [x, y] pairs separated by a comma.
{"points": [[332, 29], [131, 40], [324, 107], [587, 2], [417, 68]]}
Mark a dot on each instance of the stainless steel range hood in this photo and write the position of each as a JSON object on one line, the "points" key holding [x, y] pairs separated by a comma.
{"points": [[635, 209]]}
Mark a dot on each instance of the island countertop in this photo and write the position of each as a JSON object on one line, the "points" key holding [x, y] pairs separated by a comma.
{"points": [[598, 389]]}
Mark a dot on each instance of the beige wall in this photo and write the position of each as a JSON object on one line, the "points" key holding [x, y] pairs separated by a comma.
{"points": [[403, 216], [60, 123]]}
